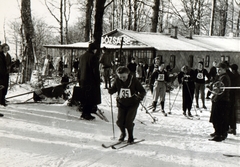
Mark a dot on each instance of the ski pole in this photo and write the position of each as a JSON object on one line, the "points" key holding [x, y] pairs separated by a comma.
{"points": [[112, 117], [175, 99], [154, 118]]}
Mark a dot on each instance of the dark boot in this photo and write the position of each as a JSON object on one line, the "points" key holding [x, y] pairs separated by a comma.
{"points": [[197, 105], [189, 114], [162, 106], [130, 136], [123, 134], [184, 113], [154, 104]]}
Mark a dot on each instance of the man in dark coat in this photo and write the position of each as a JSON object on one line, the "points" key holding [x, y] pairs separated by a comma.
{"points": [[220, 105], [5, 66], [235, 100], [89, 81]]}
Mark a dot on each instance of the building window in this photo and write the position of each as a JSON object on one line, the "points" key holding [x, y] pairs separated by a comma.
{"points": [[190, 61], [222, 58], [207, 60], [227, 58], [172, 61]]}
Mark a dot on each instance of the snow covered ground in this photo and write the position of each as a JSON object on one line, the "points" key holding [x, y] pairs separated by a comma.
{"points": [[52, 135]]}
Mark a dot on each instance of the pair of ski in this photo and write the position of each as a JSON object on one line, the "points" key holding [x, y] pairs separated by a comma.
{"points": [[121, 144], [155, 111], [192, 117], [101, 115]]}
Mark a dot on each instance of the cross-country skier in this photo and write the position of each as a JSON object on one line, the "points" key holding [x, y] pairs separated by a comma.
{"points": [[186, 79], [159, 80], [200, 74], [130, 93], [220, 106]]}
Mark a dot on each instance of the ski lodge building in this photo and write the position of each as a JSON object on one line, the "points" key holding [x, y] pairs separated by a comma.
{"points": [[173, 49]]}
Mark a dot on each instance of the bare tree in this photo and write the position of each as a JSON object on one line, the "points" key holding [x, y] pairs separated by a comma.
{"points": [[155, 15], [88, 23], [29, 36]]}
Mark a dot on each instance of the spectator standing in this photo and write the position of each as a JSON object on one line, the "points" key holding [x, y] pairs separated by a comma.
{"points": [[200, 74], [220, 106], [235, 94], [89, 81], [5, 70]]}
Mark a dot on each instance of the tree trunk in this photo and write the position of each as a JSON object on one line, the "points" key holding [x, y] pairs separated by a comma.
{"points": [[211, 31], [98, 24], [135, 16], [61, 22], [29, 35], [130, 15], [88, 22], [155, 15], [238, 24], [223, 19]]}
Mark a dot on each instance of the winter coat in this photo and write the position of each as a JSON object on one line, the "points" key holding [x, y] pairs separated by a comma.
{"points": [[105, 60], [236, 107], [139, 71], [3, 69], [125, 97], [89, 78]]}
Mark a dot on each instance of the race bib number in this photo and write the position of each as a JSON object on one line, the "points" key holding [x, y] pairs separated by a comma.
{"points": [[200, 76], [124, 93], [160, 77]]}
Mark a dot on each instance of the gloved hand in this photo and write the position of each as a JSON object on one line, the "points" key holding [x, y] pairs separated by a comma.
{"points": [[138, 97]]}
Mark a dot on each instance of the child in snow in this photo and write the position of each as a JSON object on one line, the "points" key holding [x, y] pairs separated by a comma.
{"points": [[159, 80], [130, 93], [186, 79]]}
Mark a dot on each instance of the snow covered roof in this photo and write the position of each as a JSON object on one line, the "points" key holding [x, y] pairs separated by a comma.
{"points": [[84, 45], [198, 43], [163, 42]]}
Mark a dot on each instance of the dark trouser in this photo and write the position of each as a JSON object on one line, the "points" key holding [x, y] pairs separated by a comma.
{"points": [[220, 117], [200, 88], [187, 96], [106, 75], [126, 118]]}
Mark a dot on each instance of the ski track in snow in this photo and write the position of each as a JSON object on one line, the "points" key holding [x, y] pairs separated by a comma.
{"points": [[54, 136]]}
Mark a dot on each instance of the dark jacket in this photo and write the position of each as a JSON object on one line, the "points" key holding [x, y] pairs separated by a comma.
{"points": [[137, 91], [155, 76], [89, 78]]}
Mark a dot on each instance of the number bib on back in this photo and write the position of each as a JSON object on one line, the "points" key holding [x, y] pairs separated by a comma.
{"points": [[125, 93], [200, 76]]}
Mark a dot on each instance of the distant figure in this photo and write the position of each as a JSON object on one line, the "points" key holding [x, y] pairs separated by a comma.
{"points": [[5, 67], [140, 72], [75, 65], [60, 67], [153, 67], [212, 75], [106, 64], [89, 81], [132, 66]]}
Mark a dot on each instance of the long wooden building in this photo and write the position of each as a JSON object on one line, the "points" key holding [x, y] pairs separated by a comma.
{"points": [[174, 49]]}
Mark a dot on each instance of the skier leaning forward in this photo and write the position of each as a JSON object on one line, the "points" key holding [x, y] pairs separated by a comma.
{"points": [[159, 80], [130, 93]]}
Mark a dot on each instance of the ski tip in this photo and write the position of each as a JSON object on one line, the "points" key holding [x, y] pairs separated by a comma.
{"points": [[113, 147]]}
